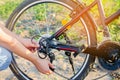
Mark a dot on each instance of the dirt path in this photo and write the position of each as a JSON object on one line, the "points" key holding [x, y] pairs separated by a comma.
{"points": [[7, 75]]}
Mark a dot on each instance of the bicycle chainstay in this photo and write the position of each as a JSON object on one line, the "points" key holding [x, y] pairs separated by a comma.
{"points": [[109, 50]]}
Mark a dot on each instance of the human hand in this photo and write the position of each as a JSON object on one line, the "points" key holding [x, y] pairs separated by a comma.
{"points": [[32, 46], [43, 66]]}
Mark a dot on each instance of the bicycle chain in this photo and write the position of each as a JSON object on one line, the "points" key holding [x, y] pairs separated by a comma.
{"points": [[115, 76]]}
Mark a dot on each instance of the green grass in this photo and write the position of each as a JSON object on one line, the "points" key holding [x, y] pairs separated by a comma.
{"points": [[7, 7]]}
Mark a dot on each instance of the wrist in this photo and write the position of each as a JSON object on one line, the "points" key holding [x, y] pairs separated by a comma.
{"points": [[34, 59]]}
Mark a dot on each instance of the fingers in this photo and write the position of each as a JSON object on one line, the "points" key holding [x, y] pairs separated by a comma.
{"points": [[35, 44], [32, 49], [44, 66], [49, 69], [48, 73], [51, 65]]}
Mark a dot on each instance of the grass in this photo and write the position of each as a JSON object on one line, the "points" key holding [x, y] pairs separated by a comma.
{"points": [[7, 7]]}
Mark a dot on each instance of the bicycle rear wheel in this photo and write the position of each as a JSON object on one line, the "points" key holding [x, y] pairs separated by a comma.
{"points": [[45, 17]]}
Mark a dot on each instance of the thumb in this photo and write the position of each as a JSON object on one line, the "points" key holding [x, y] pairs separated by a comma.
{"points": [[51, 66], [35, 44]]}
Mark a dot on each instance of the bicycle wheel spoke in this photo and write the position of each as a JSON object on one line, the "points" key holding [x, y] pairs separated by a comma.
{"points": [[44, 18]]}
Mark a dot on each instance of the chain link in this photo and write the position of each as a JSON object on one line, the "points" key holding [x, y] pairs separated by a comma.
{"points": [[115, 76]]}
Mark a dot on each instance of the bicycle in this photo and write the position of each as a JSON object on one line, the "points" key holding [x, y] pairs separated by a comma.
{"points": [[60, 43]]}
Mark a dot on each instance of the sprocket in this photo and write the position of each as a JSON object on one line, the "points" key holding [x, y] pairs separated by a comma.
{"points": [[112, 49]]}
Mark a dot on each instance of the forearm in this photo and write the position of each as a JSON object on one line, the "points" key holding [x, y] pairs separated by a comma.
{"points": [[20, 50], [14, 43], [9, 32], [15, 46]]}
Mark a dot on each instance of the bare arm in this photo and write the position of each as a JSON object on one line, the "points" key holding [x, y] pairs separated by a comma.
{"points": [[10, 41], [2, 25]]}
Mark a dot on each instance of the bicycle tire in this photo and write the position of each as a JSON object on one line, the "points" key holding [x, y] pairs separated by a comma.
{"points": [[70, 4]]}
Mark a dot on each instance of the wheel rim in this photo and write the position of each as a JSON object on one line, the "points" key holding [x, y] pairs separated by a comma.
{"points": [[19, 29]]}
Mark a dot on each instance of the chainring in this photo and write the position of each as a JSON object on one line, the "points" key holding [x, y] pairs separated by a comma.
{"points": [[113, 50]]}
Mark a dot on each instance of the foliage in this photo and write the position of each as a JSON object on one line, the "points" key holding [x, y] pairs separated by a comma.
{"points": [[7, 6], [41, 11], [115, 32], [110, 7]]}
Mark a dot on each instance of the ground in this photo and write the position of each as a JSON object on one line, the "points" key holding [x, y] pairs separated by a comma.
{"points": [[7, 75]]}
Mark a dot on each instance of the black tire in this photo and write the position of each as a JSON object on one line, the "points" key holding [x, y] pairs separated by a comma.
{"points": [[89, 28]]}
